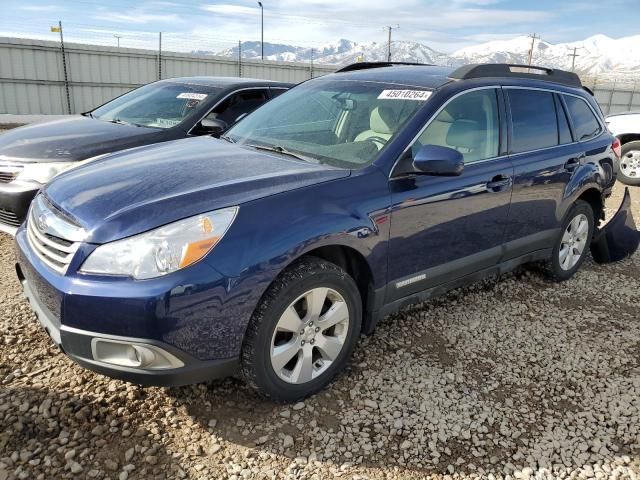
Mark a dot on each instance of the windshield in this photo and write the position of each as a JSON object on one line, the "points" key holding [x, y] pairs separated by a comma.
{"points": [[157, 105], [342, 123]]}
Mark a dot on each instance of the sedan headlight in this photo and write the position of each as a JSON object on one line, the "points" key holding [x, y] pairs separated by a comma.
{"points": [[163, 250], [43, 172]]}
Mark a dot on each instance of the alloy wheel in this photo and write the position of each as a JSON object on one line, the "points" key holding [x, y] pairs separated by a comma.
{"points": [[309, 335], [574, 242]]}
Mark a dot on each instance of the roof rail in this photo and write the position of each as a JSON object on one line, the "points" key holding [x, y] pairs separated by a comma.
{"points": [[366, 65], [516, 71]]}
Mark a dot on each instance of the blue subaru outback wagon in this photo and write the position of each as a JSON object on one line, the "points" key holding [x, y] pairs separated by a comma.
{"points": [[269, 251]]}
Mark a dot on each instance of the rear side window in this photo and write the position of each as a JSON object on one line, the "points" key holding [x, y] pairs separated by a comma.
{"points": [[533, 116], [564, 132], [584, 120]]}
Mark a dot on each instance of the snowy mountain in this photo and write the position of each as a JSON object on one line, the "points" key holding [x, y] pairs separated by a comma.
{"points": [[290, 53], [596, 55]]}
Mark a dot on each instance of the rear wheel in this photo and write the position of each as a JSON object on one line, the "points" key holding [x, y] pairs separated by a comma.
{"points": [[303, 332], [629, 172], [572, 246]]}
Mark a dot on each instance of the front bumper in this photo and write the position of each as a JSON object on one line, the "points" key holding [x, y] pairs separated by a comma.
{"points": [[79, 346], [195, 315]]}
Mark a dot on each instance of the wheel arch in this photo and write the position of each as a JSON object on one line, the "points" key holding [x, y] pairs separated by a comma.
{"points": [[593, 197], [628, 137], [355, 264]]}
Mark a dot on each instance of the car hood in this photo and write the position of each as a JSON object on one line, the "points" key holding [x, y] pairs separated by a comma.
{"points": [[131, 192], [72, 139]]}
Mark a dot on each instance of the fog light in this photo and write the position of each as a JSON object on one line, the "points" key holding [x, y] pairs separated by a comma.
{"points": [[133, 355]]}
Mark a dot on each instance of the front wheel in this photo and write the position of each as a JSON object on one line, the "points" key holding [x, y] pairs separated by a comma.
{"points": [[303, 331], [629, 172], [572, 246]]}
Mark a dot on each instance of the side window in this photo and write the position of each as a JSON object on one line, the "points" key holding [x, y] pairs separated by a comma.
{"points": [[584, 121], [469, 123], [245, 101], [564, 132], [533, 117], [276, 92]]}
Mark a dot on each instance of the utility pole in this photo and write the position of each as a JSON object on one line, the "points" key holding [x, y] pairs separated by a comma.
{"points": [[389, 29], [240, 58], [573, 59], [261, 29], [311, 71], [160, 56], [64, 65], [118, 37], [533, 37]]}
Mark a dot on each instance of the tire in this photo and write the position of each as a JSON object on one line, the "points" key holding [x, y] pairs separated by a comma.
{"points": [[316, 354], [564, 263], [629, 171]]}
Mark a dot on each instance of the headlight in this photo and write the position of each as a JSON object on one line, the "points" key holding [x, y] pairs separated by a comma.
{"points": [[163, 250], [43, 172]]}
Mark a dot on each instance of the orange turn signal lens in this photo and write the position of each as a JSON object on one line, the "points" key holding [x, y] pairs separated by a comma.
{"points": [[196, 250]]}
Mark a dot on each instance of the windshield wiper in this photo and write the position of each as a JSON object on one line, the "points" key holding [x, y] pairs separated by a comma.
{"points": [[122, 122], [88, 114], [282, 150], [228, 139]]}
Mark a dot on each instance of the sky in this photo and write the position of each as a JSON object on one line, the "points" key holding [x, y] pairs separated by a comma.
{"points": [[207, 25]]}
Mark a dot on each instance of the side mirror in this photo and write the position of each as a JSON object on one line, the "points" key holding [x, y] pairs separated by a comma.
{"points": [[438, 161], [212, 126]]}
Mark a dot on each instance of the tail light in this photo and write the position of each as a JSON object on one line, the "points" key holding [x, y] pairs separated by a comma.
{"points": [[616, 146]]}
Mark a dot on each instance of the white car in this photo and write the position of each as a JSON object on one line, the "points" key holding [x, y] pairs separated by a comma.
{"points": [[626, 126]]}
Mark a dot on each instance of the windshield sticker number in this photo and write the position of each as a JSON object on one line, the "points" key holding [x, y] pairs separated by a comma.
{"points": [[166, 123], [419, 95], [193, 96]]}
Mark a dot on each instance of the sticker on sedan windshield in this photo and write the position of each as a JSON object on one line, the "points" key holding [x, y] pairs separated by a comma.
{"points": [[166, 123], [420, 95], [193, 96]]}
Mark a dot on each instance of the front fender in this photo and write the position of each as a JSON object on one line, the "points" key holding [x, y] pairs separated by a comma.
{"points": [[270, 233]]}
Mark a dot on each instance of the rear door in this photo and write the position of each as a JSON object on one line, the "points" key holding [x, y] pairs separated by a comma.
{"points": [[588, 130], [544, 156]]}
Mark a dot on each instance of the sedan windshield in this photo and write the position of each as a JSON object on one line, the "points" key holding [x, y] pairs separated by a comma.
{"points": [[341, 123], [157, 105]]}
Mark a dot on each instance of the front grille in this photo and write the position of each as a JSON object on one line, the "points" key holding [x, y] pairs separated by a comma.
{"points": [[54, 251], [9, 218], [9, 172], [6, 177]]}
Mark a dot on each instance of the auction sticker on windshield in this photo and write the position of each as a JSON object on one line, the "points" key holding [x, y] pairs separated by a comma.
{"points": [[193, 96], [420, 95]]}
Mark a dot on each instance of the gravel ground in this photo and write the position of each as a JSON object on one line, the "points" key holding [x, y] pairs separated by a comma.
{"points": [[516, 378]]}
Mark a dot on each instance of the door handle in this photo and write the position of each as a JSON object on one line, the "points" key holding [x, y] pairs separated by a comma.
{"points": [[499, 183], [573, 163]]}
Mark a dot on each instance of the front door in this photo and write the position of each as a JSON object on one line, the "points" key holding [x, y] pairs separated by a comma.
{"points": [[443, 228]]}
